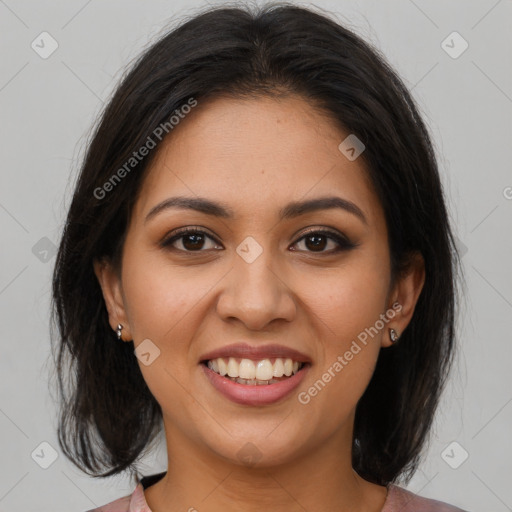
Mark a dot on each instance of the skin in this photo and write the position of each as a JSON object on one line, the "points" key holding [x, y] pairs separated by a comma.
{"points": [[256, 156]]}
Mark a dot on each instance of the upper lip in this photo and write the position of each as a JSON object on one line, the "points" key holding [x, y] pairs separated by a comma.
{"points": [[246, 351]]}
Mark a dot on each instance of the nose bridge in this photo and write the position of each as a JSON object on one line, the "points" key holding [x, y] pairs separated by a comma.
{"points": [[254, 266], [255, 294]]}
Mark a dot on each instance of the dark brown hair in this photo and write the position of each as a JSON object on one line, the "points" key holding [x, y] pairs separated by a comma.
{"points": [[108, 416]]}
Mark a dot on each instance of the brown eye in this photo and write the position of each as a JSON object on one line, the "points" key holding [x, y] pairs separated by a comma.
{"points": [[318, 240], [191, 240]]}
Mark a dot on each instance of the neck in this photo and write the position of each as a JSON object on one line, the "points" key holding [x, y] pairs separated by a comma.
{"points": [[319, 478]]}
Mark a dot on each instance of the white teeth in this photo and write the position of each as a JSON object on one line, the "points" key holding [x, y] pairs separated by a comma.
{"points": [[288, 367], [233, 368], [249, 370], [222, 366], [278, 368], [254, 382], [264, 370]]}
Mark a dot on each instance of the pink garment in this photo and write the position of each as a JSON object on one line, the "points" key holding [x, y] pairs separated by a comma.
{"points": [[398, 500]]}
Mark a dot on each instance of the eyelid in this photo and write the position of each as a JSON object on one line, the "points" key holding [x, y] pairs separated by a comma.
{"points": [[176, 234], [188, 229], [324, 231]]}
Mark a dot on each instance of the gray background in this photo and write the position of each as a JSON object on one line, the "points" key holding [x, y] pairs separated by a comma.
{"points": [[47, 109]]}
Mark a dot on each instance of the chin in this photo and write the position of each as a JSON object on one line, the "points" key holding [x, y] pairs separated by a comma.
{"points": [[257, 451]]}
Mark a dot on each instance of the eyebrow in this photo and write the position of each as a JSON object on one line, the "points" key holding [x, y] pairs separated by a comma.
{"points": [[291, 210]]}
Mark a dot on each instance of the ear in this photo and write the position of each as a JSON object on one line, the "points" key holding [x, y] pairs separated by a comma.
{"points": [[112, 290], [405, 292]]}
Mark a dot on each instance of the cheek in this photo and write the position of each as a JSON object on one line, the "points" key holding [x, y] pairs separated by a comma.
{"points": [[348, 299], [346, 305], [331, 398], [161, 299], [163, 305]]}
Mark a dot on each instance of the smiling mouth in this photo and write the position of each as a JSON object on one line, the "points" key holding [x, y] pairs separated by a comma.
{"points": [[255, 372]]}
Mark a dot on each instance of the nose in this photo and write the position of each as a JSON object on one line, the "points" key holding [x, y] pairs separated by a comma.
{"points": [[256, 294]]}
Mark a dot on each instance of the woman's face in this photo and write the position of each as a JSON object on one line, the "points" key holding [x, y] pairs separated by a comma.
{"points": [[253, 277]]}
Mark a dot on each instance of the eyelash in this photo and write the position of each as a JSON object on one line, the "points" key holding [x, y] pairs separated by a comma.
{"points": [[343, 243]]}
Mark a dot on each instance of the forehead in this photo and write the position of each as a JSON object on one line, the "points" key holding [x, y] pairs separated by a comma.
{"points": [[256, 155]]}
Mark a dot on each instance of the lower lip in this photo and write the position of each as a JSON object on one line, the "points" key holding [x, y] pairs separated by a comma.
{"points": [[254, 395]]}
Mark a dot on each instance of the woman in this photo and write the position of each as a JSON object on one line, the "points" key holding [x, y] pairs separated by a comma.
{"points": [[257, 258]]}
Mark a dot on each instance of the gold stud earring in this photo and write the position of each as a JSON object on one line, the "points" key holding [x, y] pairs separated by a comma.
{"points": [[394, 336]]}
